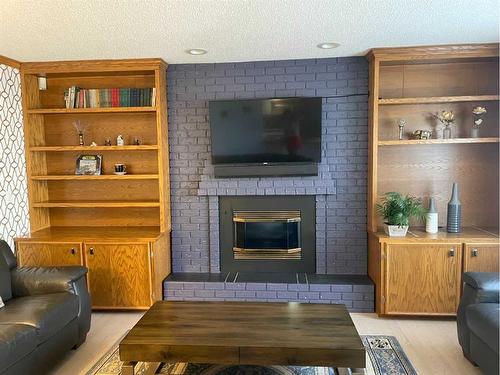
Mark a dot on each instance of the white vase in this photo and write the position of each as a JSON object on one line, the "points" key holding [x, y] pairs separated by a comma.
{"points": [[431, 220], [396, 230]]}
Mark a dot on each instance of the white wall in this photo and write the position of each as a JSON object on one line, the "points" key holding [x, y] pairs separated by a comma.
{"points": [[13, 188]]}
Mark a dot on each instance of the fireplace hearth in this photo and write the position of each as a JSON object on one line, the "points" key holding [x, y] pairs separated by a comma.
{"points": [[267, 234]]}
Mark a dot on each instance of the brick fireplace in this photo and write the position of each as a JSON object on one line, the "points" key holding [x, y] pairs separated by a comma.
{"points": [[338, 191]]}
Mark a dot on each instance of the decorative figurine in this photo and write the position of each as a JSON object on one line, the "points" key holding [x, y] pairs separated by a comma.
{"points": [[447, 118], [120, 141], [431, 219], [137, 141], [401, 125], [93, 144], [422, 134], [80, 129], [478, 112], [454, 211], [107, 142]]}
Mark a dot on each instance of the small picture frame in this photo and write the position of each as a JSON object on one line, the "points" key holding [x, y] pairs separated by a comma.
{"points": [[88, 165]]}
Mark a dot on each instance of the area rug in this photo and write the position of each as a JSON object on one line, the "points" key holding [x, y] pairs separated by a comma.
{"points": [[384, 357]]}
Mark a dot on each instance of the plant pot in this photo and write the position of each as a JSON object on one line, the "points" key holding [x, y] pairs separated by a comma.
{"points": [[396, 230]]}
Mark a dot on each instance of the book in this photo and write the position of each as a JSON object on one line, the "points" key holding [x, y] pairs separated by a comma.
{"points": [[153, 97]]}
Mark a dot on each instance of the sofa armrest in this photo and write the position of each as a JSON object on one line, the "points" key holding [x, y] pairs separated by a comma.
{"points": [[485, 286], [44, 280]]}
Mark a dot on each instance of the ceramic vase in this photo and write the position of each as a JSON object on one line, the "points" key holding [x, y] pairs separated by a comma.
{"points": [[431, 220], [447, 131], [454, 211]]}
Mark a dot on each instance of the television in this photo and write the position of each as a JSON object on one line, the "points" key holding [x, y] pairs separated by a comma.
{"points": [[266, 131]]}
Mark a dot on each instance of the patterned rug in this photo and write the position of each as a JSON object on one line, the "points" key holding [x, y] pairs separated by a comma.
{"points": [[384, 357]]}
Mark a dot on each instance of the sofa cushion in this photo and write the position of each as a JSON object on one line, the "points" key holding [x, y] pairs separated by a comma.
{"points": [[47, 313], [483, 319], [16, 341]]}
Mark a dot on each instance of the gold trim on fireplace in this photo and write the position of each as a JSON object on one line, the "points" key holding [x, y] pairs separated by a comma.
{"points": [[240, 253], [266, 216]]}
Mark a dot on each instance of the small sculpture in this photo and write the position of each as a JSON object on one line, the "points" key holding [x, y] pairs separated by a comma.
{"points": [[137, 141], [120, 141], [422, 134], [107, 142], [93, 144], [477, 112], [401, 125], [80, 129]]}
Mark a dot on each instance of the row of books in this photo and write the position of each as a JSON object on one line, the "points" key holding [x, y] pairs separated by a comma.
{"points": [[76, 97]]}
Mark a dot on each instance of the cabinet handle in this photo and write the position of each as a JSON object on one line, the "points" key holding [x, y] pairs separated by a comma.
{"points": [[474, 252], [73, 251], [91, 251], [452, 252]]}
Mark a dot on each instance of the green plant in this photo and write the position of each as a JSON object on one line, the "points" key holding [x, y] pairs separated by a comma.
{"points": [[397, 209]]}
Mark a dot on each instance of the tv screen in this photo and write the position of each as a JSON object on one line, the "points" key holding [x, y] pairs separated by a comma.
{"points": [[286, 130]]}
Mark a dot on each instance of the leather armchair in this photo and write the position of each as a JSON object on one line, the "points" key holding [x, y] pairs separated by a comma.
{"points": [[478, 320], [47, 312]]}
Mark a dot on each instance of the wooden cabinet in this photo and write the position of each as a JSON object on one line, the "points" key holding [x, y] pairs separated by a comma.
{"points": [[126, 268], [421, 274], [49, 254], [119, 274], [481, 257], [422, 278]]}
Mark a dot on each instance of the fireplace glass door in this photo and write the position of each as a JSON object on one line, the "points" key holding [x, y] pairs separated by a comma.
{"points": [[267, 235]]}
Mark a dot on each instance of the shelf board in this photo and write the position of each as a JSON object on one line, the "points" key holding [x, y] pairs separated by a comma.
{"points": [[48, 111], [98, 177], [92, 148], [438, 99], [96, 204], [438, 141]]}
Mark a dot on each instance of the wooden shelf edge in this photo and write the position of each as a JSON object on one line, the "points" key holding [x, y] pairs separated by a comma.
{"points": [[92, 148], [438, 141], [49, 111], [438, 99], [98, 204], [97, 177]]}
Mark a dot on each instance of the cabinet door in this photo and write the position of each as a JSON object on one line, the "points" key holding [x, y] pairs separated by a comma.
{"points": [[422, 279], [49, 254], [119, 275], [481, 257]]}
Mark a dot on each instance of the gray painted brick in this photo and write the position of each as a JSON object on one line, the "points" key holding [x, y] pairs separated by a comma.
{"points": [[341, 248], [255, 286], [288, 295], [275, 286], [266, 294]]}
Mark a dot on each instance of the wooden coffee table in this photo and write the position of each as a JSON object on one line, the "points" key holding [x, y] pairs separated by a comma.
{"points": [[243, 333]]}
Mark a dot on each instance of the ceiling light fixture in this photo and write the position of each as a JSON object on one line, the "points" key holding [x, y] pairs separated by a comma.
{"points": [[196, 51], [328, 45]]}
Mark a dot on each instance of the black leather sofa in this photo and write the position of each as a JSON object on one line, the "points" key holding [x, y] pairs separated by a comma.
{"points": [[477, 320], [46, 313]]}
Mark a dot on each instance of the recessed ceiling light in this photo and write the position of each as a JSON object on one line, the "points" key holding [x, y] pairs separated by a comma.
{"points": [[196, 51], [328, 45]]}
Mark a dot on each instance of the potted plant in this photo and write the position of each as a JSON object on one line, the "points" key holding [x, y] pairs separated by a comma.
{"points": [[397, 210]]}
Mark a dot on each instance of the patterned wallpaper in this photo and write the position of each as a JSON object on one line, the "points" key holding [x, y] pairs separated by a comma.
{"points": [[13, 188]]}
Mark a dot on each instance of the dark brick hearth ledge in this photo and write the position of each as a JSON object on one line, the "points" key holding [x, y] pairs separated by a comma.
{"points": [[354, 291]]}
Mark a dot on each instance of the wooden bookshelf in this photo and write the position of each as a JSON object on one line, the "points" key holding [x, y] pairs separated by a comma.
{"points": [[48, 111], [415, 83], [80, 206]]}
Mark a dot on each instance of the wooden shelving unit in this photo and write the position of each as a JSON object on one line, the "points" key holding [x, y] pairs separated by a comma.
{"points": [[91, 177], [398, 142], [92, 148], [438, 99], [421, 274], [100, 215], [49, 111]]}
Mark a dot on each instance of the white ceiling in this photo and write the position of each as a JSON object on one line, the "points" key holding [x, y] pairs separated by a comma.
{"points": [[235, 30]]}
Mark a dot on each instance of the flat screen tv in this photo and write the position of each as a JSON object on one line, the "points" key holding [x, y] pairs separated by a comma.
{"points": [[284, 130]]}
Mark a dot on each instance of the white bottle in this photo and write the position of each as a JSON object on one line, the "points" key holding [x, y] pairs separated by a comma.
{"points": [[431, 220]]}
